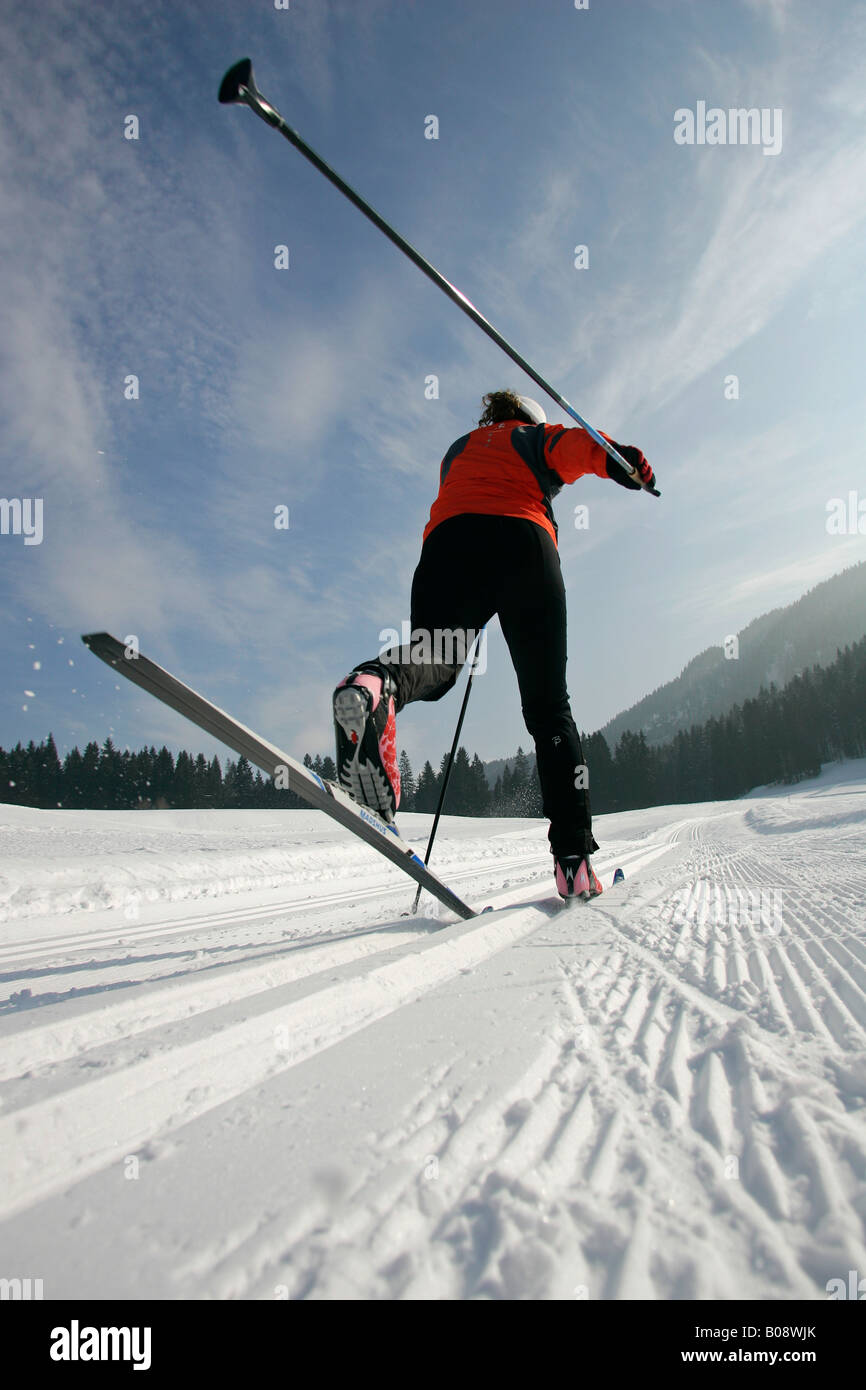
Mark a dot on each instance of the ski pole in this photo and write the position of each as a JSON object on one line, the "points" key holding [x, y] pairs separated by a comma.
{"points": [[238, 87], [475, 656]]}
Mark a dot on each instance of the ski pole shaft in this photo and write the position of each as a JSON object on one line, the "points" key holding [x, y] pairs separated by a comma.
{"points": [[451, 755], [239, 87]]}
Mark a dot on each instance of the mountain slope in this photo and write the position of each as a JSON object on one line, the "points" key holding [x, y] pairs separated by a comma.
{"points": [[778, 645]]}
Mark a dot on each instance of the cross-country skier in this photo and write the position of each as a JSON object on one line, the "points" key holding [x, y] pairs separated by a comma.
{"points": [[490, 547]]}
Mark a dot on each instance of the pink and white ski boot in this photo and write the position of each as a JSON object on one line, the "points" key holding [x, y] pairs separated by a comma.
{"points": [[575, 877], [366, 732]]}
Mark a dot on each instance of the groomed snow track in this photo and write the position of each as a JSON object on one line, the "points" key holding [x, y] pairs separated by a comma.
{"points": [[659, 1095]]}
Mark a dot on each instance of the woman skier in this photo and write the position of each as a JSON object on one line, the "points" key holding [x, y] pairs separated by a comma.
{"points": [[489, 547]]}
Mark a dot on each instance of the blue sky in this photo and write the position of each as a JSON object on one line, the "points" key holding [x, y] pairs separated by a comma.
{"points": [[305, 387]]}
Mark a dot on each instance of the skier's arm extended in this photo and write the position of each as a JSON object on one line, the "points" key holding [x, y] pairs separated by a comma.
{"points": [[572, 452]]}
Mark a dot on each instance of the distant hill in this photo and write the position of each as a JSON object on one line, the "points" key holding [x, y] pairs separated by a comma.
{"points": [[497, 766], [773, 648]]}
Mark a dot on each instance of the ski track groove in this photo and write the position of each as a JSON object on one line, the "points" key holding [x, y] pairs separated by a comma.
{"points": [[20, 951], [149, 1097]]}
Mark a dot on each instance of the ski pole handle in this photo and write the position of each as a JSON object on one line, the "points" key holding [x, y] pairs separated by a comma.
{"points": [[609, 449]]}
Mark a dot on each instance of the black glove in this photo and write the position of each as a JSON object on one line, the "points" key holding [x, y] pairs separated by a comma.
{"points": [[633, 456]]}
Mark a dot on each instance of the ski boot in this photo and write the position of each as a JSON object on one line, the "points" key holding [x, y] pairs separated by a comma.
{"points": [[366, 733], [575, 877]]}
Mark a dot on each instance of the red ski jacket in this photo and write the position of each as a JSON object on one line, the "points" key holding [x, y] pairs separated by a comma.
{"points": [[513, 469]]}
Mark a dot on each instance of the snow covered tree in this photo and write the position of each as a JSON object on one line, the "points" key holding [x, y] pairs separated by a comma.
{"points": [[480, 788], [214, 785], [520, 776], [427, 789], [407, 783], [239, 784], [47, 774], [183, 790], [458, 798]]}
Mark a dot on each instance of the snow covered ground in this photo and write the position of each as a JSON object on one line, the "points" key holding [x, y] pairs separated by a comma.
{"points": [[230, 1068]]}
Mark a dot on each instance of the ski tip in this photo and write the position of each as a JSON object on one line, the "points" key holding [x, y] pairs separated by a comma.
{"points": [[618, 876], [106, 647], [98, 642]]}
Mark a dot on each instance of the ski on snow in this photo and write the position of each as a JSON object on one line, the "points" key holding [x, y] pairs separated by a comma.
{"points": [[324, 796]]}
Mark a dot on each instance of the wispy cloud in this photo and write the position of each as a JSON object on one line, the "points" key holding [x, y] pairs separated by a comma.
{"points": [[778, 12], [787, 582]]}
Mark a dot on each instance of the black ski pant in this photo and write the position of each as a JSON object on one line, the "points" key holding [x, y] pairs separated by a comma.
{"points": [[472, 567]]}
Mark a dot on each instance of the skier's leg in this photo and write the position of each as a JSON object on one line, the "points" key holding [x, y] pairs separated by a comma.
{"points": [[532, 611], [450, 604]]}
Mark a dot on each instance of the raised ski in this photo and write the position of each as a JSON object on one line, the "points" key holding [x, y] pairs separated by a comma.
{"points": [[322, 795]]}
